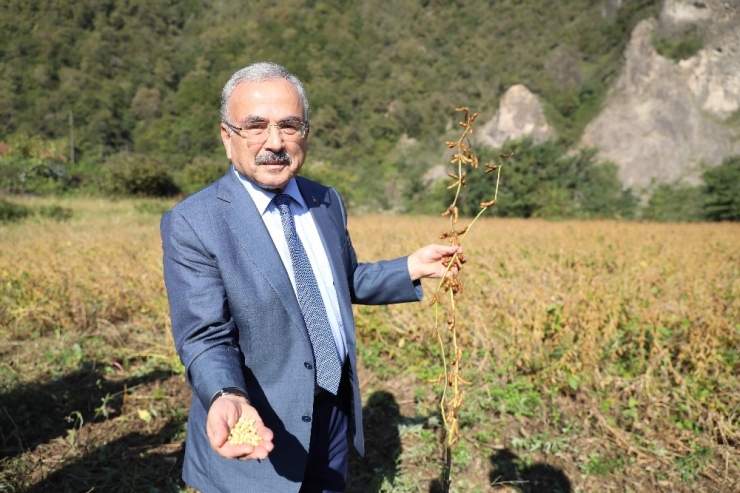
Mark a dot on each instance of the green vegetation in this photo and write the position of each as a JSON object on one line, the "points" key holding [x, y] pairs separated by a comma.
{"points": [[679, 45], [10, 211], [138, 174], [722, 191], [717, 199], [601, 466], [144, 78], [32, 165], [674, 202], [543, 181], [139, 85]]}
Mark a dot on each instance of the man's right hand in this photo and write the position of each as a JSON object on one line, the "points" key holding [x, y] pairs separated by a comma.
{"points": [[223, 415]]}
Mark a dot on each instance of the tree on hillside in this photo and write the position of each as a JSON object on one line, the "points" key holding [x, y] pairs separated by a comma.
{"points": [[722, 191], [542, 181], [675, 203]]}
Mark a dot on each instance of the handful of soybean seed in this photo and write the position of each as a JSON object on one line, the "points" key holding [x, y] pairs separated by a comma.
{"points": [[244, 432]]}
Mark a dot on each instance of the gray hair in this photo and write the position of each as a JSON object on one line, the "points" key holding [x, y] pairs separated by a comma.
{"points": [[260, 72]]}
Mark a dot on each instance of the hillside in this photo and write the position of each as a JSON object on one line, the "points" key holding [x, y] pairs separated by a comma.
{"points": [[145, 77]]}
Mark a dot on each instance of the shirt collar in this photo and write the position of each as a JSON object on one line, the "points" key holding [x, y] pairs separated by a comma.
{"points": [[262, 198]]}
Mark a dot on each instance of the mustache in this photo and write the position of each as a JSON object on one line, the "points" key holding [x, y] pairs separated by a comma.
{"points": [[272, 157]]}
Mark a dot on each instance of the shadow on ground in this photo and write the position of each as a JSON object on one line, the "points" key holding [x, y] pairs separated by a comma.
{"points": [[38, 412], [381, 416], [127, 464], [511, 471], [66, 425]]}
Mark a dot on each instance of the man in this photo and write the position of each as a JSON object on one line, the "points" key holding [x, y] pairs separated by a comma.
{"points": [[260, 275]]}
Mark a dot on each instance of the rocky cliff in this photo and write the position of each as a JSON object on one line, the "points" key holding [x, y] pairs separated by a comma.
{"points": [[663, 120], [519, 115]]}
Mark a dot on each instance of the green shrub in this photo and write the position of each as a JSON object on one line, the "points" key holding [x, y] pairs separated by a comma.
{"points": [[678, 46], [154, 207], [142, 175], [722, 191], [33, 165], [542, 181], [10, 212], [56, 212], [675, 203], [201, 172]]}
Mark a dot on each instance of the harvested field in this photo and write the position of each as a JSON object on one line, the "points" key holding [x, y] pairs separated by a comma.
{"points": [[602, 356]]}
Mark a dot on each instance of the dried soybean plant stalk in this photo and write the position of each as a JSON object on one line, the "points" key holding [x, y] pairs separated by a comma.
{"points": [[450, 287]]}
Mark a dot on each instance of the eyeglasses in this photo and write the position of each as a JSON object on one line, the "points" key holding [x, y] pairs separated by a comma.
{"points": [[260, 130]]}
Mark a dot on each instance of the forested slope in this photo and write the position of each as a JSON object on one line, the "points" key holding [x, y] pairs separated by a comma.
{"points": [[145, 76]]}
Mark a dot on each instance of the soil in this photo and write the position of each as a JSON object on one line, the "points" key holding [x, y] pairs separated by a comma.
{"points": [[105, 432]]}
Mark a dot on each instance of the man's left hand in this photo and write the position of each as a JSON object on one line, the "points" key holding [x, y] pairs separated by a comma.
{"points": [[429, 261]]}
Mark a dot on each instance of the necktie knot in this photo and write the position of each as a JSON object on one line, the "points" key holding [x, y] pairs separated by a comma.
{"points": [[282, 200]]}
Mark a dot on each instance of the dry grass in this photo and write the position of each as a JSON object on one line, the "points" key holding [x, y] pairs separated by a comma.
{"points": [[629, 334], [96, 270], [637, 324]]}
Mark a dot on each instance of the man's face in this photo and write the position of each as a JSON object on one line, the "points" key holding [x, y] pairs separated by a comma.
{"points": [[269, 163]]}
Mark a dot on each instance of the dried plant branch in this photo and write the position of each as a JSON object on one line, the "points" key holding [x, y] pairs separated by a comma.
{"points": [[452, 285]]}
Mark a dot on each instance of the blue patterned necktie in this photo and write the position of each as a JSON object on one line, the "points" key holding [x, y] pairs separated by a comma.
{"points": [[328, 369]]}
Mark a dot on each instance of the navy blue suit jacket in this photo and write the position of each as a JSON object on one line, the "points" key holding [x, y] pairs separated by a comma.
{"points": [[236, 323]]}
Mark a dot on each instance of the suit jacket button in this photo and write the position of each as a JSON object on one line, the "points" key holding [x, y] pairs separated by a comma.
{"points": [[308, 365], [306, 419]]}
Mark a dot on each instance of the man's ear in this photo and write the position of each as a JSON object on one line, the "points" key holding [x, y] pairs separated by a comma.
{"points": [[226, 139]]}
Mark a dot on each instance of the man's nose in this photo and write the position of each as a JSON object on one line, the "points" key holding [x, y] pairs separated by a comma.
{"points": [[274, 139]]}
